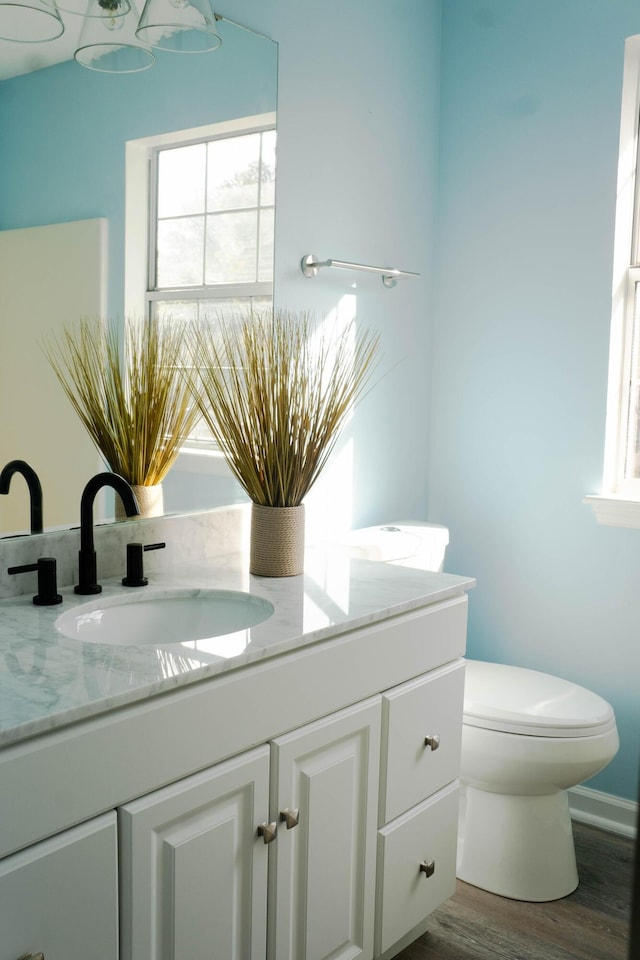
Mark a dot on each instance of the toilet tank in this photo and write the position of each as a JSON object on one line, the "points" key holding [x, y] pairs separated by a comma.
{"points": [[410, 543]]}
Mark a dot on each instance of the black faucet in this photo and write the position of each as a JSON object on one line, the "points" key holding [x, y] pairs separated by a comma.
{"points": [[135, 566], [87, 566], [35, 489], [45, 567]]}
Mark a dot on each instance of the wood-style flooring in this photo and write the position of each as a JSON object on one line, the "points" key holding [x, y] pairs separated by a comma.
{"points": [[591, 924]]}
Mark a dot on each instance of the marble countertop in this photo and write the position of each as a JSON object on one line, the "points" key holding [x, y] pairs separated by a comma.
{"points": [[48, 681]]}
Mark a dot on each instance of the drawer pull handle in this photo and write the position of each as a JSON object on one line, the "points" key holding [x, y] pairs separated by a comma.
{"points": [[432, 742], [428, 867], [268, 831], [290, 817]]}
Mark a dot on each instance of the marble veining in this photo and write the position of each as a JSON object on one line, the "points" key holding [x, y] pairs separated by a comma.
{"points": [[48, 681], [205, 534]]}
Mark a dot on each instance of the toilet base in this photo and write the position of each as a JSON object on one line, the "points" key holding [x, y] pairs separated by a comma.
{"points": [[517, 846]]}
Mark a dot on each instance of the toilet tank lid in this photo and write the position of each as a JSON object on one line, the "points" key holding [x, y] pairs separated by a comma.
{"points": [[398, 540], [519, 700]]}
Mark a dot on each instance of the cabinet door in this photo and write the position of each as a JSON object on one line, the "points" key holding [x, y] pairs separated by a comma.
{"points": [[193, 870], [322, 871], [60, 897]]}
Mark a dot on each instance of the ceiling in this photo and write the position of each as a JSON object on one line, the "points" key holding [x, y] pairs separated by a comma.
{"points": [[18, 58]]}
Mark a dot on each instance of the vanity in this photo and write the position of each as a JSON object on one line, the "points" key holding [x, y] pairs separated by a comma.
{"points": [[287, 791]]}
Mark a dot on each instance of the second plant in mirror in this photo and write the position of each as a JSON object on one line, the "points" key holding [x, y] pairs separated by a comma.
{"points": [[131, 396]]}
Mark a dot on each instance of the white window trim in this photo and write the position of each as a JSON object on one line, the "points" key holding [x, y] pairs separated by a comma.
{"points": [[618, 504], [137, 154], [202, 457], [615, 511]]}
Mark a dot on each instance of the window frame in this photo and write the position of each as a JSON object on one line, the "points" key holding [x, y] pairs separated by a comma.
{"points": [[138, 226], [141, 293], [618, 504]]}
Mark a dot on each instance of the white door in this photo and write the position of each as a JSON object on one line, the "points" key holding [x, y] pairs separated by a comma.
{"points": [[60, 897], [193, 868], [322, 870], [49, 276]]}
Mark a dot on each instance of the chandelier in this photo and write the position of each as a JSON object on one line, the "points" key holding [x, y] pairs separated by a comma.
{"points": [[115, 37]]}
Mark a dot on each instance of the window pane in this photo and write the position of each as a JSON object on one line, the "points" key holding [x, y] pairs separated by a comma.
{"points": [[232, 308], [181, 180], [229, 309], [182, 310], [231, 248], [268, 187], [180, 252], [233, 172], [632, 464], [265, 263]]}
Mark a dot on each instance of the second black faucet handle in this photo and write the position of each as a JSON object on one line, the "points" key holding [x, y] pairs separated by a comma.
{"points": [[135, 566], [46, 567]]}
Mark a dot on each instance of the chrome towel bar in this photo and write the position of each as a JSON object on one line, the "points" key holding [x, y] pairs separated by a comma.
{"points": [[310, 266]]}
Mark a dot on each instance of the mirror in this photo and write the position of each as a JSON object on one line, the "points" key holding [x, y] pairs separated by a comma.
{"points": [[63, 132]]}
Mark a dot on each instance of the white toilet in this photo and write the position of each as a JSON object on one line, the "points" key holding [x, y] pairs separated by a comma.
{"points": [[526, 738]]}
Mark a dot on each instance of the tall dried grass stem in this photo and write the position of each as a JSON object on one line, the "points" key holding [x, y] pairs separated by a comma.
{"points": [[275, 391], [132, 398]]}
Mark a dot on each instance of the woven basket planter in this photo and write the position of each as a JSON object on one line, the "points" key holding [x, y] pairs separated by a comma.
{"points": [[150, 501], [277, 541]]}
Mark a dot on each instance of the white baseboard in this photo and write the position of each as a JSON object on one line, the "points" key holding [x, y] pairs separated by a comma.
{"points": [[604, 810]]}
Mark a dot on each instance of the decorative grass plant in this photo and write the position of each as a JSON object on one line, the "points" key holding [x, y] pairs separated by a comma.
{"points": [[275, 390], [131, 396]]}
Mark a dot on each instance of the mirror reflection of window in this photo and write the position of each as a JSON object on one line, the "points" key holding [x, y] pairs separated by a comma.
{"points": [[211, 234], [214, 216]]}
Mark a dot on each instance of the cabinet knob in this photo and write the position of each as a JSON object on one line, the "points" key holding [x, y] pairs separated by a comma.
{"points": [[268, 831], [428, 867], [290, 816], [432, 742], [31, 956]]}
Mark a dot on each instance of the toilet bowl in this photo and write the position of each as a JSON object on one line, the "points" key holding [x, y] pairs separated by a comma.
{"points": [[526, 738]]}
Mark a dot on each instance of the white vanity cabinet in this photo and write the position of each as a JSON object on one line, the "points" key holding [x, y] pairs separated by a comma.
{"points": [[348, 748], [59, 897], [194, 854]]}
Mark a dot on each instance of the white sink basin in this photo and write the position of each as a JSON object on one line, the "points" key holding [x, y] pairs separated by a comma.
{"points": [[164, 616]]}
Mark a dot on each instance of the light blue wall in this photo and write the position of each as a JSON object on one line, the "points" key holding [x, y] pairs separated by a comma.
{"points": [[530, 108], [63, 131], [357, 121], [357, 151], [529, 138]]}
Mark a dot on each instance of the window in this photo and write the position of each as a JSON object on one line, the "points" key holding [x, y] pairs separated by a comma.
{"points": [[210, 199], [619, 503], [212, 213]]}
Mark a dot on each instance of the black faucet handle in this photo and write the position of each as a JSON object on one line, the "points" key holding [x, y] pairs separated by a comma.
{"points": [[135, 566], [46, 568]]}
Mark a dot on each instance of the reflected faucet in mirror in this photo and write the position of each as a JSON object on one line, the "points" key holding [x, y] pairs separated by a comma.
{"points": [[87, 562], [35, 489]]}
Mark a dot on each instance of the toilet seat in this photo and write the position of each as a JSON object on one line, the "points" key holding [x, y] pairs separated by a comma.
{"points": [[517, 700]]}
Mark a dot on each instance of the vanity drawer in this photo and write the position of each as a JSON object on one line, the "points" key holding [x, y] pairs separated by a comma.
{"points": [[407, 893], [421, 736]]}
